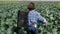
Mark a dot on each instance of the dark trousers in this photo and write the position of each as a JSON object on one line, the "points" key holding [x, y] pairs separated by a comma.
{"points": [[32, 30]]}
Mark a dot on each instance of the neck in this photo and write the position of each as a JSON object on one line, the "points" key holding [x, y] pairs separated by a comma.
{"points": [[31, 10]]}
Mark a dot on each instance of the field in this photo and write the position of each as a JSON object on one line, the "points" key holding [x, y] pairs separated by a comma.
{"points": [[49, 10]]}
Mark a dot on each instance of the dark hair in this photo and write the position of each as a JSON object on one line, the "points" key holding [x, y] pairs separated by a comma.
{"points": [[32, 3], [31, 8]]}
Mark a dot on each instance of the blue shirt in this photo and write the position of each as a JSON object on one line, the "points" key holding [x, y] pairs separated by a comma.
{"points": [[33, 17]]}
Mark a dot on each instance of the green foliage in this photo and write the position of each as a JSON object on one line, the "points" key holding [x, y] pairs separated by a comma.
{"points": [[8, 16]]}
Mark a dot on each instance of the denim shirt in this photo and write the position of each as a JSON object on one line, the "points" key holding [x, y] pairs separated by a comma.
{"points": [[33, 17]]}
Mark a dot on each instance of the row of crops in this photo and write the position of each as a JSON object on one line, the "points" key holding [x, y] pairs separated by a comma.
{"points": [[8, 16]]}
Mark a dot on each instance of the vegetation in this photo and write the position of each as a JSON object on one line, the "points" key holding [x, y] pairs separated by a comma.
{"points": [[49, 10]]}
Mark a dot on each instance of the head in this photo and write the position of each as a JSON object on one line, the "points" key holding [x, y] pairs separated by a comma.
{"points": [[31, 6]]}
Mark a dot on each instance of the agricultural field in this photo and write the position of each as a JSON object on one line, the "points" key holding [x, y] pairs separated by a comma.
{"points": [[9, 10]]}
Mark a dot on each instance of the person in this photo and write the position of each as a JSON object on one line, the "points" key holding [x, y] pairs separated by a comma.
{"points": [[33, 17]]}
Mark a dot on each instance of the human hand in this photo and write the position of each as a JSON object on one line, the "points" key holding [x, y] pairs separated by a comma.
{"points": [[35, 25]]}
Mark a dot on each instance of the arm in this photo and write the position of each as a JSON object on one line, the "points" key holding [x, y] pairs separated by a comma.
{"points": [[42, 19]]}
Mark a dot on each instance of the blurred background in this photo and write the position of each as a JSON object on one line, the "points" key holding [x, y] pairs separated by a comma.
{"points": [[9, 10]]}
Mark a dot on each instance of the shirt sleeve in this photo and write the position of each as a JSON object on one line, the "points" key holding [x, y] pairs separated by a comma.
{"points": [[41, 18]]}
